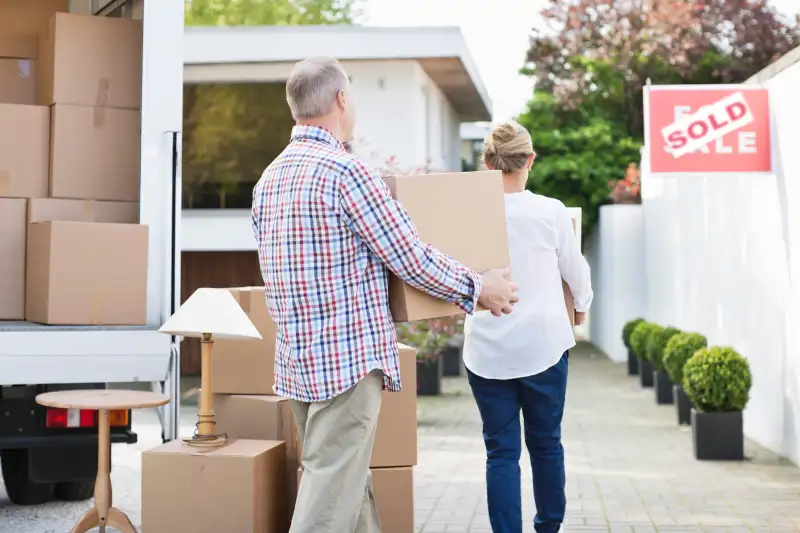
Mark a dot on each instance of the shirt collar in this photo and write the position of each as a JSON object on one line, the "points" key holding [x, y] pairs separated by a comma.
{"points": [[314, 133]]}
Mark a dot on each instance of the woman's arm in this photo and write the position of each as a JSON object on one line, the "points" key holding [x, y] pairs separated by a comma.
{"points": [[573, 266]]}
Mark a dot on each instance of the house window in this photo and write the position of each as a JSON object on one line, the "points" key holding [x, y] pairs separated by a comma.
{"points": [[232, 131]]}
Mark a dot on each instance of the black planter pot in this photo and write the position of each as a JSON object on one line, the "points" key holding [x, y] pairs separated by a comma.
{"points": [[633, 363], [663, 388], [429, 377], [718, 436], [451, 360], [645, 373], [683, 405]]}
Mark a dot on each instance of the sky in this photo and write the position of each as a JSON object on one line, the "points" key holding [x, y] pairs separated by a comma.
{"points": [[497, 37]]}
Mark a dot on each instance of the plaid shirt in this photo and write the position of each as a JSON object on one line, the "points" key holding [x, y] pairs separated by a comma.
{"points": [[327, 228]]}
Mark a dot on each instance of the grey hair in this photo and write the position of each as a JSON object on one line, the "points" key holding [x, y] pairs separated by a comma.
{"points": [[313, 85]]}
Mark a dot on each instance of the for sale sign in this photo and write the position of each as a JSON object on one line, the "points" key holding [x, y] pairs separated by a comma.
{"points": [[700, 129]]}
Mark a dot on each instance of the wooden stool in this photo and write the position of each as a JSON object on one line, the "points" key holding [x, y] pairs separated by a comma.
{"points": [[102, 401]]}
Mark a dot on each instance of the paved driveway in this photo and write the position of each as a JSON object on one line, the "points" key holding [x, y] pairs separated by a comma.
{"points": [[630, 469]]}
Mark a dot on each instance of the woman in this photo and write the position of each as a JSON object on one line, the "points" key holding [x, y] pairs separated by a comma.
{"points": [[518, 362]]}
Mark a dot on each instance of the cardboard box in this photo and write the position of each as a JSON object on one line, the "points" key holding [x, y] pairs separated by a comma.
{"points": [[45, 209], [91, 61], [82, 273], [12, 258], [95, 153], [247, 367], [393, 489], [237, 488], [470, 227], [262, 418], [395, 437], [21, 23], [18, 81], [569, 301], [24, 150]]}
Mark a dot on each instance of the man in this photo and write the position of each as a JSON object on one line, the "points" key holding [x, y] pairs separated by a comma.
{"points": [[328, 232]]}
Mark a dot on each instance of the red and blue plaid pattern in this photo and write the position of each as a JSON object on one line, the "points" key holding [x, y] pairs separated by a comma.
{"points": [[327, 228]]}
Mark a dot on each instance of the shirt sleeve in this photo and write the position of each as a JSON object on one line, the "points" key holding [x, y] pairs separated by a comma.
{"points": [[573, 266], [384, 225]]}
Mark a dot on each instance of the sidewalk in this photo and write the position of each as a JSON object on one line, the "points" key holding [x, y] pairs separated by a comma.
{"points": [[630, 469]]}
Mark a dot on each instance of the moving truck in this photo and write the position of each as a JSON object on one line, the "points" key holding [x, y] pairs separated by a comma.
{"points": [[48, 457]]}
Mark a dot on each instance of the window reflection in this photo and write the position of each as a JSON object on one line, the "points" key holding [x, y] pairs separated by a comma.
{"points": [[232, 131]]}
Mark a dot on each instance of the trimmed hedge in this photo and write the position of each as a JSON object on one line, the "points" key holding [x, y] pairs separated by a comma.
{"points": [[656, 343], [717, 379], [628, 329], [641, 333], [678, 350]]}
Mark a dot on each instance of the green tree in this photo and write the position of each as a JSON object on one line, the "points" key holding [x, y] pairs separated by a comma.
{"points": [[578, 153], [268, 12]]}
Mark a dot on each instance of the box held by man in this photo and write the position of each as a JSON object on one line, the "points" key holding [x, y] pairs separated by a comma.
{"points": [[462, 215]]}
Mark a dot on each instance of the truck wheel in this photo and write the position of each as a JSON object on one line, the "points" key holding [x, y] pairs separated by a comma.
{"points": [[19, 487], [74, 491]]}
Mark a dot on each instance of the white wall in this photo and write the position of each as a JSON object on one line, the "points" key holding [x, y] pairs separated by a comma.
{"points": [[393, 119], [616, 255], [718, 253]]}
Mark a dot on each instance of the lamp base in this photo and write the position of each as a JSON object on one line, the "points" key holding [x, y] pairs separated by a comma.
{"points": [[207, 441]]}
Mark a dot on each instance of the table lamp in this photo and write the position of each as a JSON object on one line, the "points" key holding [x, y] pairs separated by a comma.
{"points": [[209, 314]]}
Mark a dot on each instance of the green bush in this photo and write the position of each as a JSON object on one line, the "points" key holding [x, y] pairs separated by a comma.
{"points": [[678, 350], [656, 343], [639, 338], [717, 379], [628, 329]]}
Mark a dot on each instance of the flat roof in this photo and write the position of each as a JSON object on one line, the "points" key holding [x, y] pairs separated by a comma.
{"points": [[441, 52]]}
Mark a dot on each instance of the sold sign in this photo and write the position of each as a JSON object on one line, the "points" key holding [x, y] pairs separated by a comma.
{"points": [[703, 129], [708, 124]]}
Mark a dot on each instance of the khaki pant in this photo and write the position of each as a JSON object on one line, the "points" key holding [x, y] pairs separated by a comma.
{"points": [[335, 494]]}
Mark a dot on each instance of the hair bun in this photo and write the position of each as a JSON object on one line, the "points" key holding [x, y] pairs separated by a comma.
{"points": [[507, 148]]}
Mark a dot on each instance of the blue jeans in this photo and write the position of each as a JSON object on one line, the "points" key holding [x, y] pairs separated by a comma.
{"points": [[541, 399]]}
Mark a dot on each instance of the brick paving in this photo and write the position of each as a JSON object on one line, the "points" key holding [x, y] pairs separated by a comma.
{"points": [[630, 468]]}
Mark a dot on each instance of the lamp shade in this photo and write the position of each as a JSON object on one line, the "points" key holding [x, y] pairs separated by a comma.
{"points": [[213, 311]]}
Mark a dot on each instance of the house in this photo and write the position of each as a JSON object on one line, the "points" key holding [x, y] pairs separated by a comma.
{"points": [[413, 88], [472, 136]]}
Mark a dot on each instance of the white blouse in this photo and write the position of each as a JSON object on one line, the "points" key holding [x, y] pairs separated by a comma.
{"points": [[544, 249]]}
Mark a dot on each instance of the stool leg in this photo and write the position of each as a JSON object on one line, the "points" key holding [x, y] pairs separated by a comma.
{"points": [[102, 485], [120, 521], [87, 522]]}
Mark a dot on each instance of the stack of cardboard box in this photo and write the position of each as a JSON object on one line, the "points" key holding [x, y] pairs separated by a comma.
{"points": [[246, 407], [70, 94], [250, 484]]}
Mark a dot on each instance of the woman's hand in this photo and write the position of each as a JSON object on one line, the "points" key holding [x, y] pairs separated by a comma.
{"points": [[579, 318]]}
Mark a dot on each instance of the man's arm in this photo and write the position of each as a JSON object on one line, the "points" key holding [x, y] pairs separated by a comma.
{"points": [[573, 266], [384, 225]]}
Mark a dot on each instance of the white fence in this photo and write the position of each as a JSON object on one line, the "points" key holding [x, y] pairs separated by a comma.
{"points": [[616, 255], [721, 254]]}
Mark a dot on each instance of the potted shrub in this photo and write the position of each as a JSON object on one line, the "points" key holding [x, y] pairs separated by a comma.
{"points": [[430, 338], [717, 381], [677, 351], [627, 330], [639, 338], [655, 354], [452, 354]]}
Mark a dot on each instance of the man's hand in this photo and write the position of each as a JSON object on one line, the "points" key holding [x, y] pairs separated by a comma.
{"points": [[499, 294], [579, 318]]}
